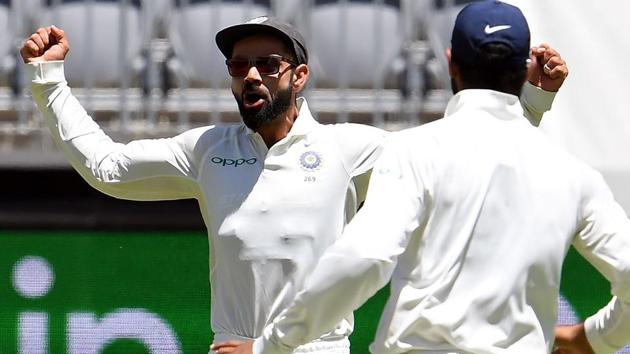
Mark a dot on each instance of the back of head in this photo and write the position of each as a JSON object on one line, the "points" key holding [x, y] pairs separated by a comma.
{"points": [[490, 46]]}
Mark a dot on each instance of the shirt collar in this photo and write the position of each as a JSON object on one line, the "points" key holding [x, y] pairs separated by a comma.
{"points": [[304, 123], [486, 100]]}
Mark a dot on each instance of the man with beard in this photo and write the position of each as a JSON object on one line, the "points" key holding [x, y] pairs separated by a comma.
{"points": [[274, 192]]}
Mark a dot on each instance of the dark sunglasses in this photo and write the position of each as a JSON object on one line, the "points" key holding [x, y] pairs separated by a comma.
{"points": [[269, 65]]}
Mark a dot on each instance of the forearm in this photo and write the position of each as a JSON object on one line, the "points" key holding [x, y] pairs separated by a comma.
{"points": [[143, 170], [341, 283], [77, 135], [535, 102], [609, 329]]}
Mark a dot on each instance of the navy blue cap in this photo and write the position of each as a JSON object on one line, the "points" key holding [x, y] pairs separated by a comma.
{"points": [[490, 21]]}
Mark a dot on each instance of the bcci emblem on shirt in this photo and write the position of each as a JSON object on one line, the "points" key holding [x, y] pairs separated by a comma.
{"points": [[310, 161]]}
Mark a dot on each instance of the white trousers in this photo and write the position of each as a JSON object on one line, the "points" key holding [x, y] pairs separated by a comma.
{"points": [[341, 346]]}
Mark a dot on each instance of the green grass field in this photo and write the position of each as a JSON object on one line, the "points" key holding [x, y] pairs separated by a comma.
{"points": [[165, 275]]}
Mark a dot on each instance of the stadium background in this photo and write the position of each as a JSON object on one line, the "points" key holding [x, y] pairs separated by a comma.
{"points": [[84, 273]]}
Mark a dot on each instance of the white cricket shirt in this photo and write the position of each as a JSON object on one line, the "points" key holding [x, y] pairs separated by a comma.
{"points": [[471, 216], [270, 213]]}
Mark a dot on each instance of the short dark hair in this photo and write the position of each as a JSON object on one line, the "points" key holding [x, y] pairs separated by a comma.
{"points": [[491, 70]]}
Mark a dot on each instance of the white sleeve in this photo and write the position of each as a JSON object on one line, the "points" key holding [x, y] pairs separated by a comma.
{"points": [[604, 240], [359, 263], [535, 102], [360, 145], [143, 170]]}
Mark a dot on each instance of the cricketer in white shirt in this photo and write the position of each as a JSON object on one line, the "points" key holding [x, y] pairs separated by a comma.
{"points": [[270, 213], [471, 217]]}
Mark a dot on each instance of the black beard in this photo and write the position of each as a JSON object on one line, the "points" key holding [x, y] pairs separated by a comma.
{"points": [[278, 105]]}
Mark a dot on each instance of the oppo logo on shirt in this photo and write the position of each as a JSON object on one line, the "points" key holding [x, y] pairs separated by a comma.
{"points": [[233, 162]]}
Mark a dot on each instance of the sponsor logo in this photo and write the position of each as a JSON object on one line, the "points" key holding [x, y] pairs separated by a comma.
{"points": [[310, 161], [232, 162], [491, 30], [87, 332]]}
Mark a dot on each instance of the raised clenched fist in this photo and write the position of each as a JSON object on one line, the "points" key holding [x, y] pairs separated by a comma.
{"points": [[46, 44], [548, 70]]}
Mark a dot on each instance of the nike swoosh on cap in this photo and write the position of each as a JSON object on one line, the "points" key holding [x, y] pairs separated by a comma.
{"points": [[491, 30]]}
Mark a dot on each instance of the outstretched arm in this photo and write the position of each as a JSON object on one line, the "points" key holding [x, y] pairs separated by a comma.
{"points": [[143, 169]]}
